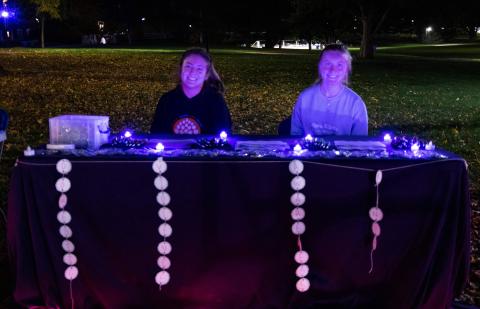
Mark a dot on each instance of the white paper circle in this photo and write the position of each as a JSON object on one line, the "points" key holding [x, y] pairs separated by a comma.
{"points": [[298, 213], [71, 272], [68, 246], [63, 184], [298, 183], [163, 262], [301, 257], [162, 277], [165, 230], [298, 228], [376, 230], [378, 177], [64, 217], [165, 213], [65, 231], [64, 166], [70, 259], [303, 285], [161, 183], [302, 270], [376, 214], [62, 201], [164, 247], [296, 167], [163, 198], [159, 166], [297, 199]]}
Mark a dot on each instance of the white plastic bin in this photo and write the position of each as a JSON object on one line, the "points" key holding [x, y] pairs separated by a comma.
{"points": [[84, 131]]}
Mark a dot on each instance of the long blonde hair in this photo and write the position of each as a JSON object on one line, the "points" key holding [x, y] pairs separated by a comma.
{"points": [[345, 53]]}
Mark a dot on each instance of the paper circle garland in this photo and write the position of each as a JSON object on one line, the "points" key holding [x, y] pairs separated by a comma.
{"points": [[62, 201], [297, 199], [301, 257], [164, 229], [303, 284], [298, 228], [65, 231], [295, 167], [302, 270], [163, 262], [70, 259], [298, 213], [162, 278], [64, 217], [63, 184], [71, 272], [376, 214], [376, 229], [68, 246], [165, 213], [159, 166], [378, 177], [161, 183], [297, 183], [164, 247], [64, 166], [163, 198]]}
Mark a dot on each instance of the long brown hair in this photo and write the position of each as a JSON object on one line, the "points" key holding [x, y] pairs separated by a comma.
{"points": [[213, 79]]}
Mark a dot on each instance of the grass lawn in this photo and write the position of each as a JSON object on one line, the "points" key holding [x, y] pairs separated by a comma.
{"points": [[424, 90]]}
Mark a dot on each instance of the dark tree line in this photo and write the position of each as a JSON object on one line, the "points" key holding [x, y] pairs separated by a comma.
{"points": [[217, 21]]}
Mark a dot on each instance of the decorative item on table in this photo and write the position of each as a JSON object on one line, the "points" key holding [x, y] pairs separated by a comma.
{"points": [[298, 150], [220, 142], [29, 152], [127, 141], [83, 131], [262, 146], [316, 144], [411, 143]]}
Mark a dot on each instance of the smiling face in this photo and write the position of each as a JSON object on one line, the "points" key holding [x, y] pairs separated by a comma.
{"points": [[333, 68], [194, 73]]}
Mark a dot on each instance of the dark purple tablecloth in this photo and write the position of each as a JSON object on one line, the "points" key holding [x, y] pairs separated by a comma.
{"points": [[232, 240]]}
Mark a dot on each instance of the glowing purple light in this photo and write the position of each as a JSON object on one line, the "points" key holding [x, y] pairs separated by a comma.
{"points": [[127, 134], [430, 146], [415, 147], [309, 138], [297, 149], [159, 147], [223, 136], [387, 138], [5, 14]]}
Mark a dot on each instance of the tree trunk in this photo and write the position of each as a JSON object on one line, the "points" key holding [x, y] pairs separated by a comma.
{"points": [[371, 26], [42, 31], [472, 33], [366, 47]]}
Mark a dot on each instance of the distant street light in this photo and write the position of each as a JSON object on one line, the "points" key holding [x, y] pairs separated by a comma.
{"points": [[143, 18], [428, 29]]}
